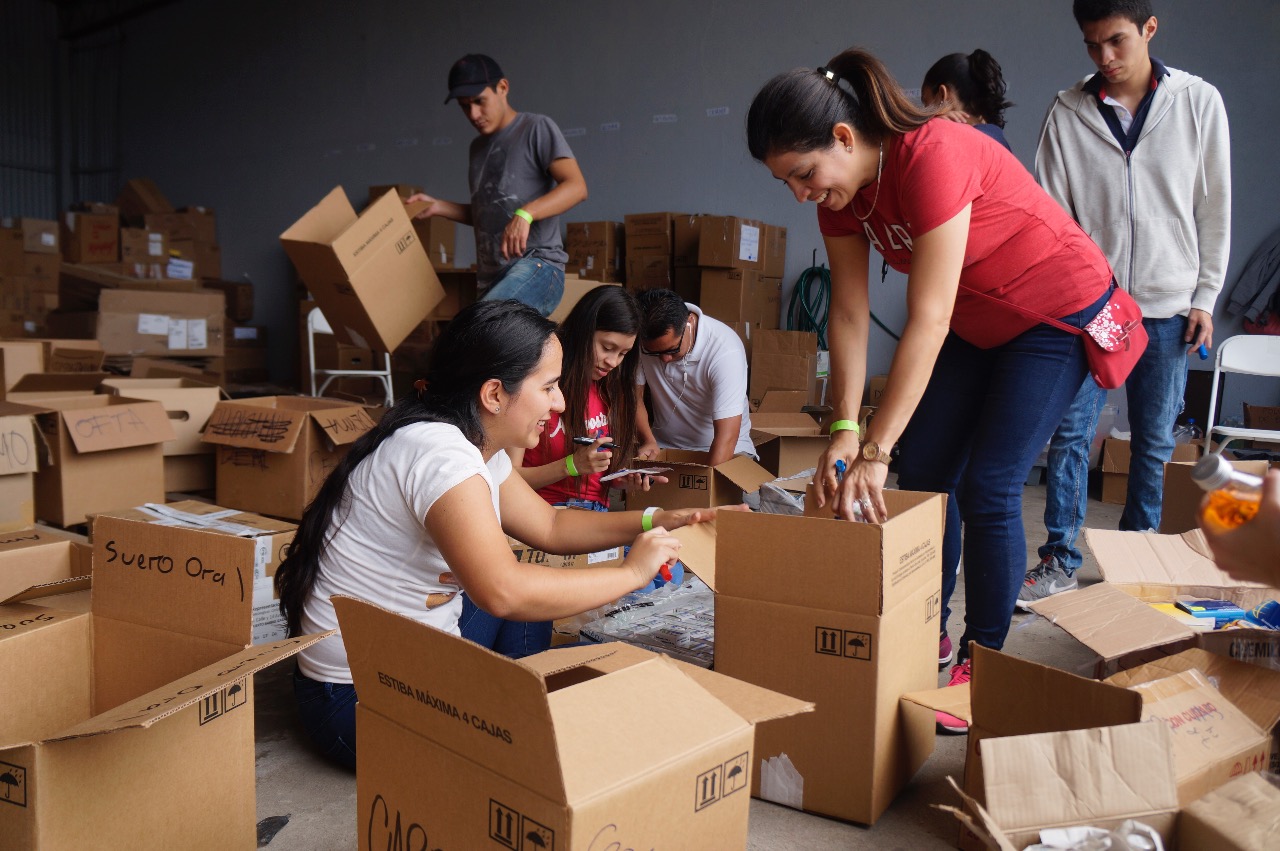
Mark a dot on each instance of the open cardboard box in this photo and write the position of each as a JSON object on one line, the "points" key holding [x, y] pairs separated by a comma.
{"points": [[555, 750], [39, 557], [274, 452], [19, 460], [574, 289], [100, 751], [787, 443], [856, 632], [1115, 466], [369, 273], [236, 551], [693, 483], [188, 461]]}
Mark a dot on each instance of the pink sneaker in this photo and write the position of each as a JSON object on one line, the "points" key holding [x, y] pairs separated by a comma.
{"points": [[947, 723], [945, 651]]}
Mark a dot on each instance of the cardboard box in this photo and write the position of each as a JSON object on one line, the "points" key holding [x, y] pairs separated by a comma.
{"points": [[649, 272], [1264, 417], [136, 322], [80, 287], [140, 196], [1115, 466], [1237, 816], [139, 245], [39, 558], [72, 355], [460, 290], [91, 237], [875, 390], [190, 473], [88, 732], [1182, 497], [239, 296], [369, 273], [730, 242], [274, 452], [104, 452], [187, 402], [437, 234], [595, 249], [694, 483], [637, 224], [787, 443], [21, 237], [541, 752], [525, 554], [189, 542], [773, 253], [858, 632], [205, 257], [19, 358], [782, 402], [19, 459], [685, 237], [198, 223], [784, 360], [574, 289]]}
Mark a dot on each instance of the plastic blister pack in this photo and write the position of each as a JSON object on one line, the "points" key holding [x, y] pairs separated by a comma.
{"points": [[678, 620]]}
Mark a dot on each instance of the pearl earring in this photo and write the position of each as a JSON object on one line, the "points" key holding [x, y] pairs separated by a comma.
{"points": [[497, 408], [849, 148]]}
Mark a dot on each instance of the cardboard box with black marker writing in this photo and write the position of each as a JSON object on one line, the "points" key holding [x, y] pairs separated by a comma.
{"points": [[369, 273], [545, 752], [188, 461], [104, 452], [131, 725], [19, 459], [237, 548], [859, 630], [274, 452]]}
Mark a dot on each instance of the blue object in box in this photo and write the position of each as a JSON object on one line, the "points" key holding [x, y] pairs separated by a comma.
{"points": [[1266, 616], [1222, 611]]}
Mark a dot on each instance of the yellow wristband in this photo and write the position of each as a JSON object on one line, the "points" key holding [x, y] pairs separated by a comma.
{"points": [[844, 425], [569, 466], [646, 519], [525, 214]]}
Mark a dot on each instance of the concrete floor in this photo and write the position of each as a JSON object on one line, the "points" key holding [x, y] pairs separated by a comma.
{"points": [[305, 804]]}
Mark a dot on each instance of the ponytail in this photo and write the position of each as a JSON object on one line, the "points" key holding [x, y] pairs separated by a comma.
{"points": [[796, 110], [977, 81]]}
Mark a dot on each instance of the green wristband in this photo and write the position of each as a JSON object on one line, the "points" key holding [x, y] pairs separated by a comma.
{"points": [[646, 519], [525, 214], [569, 466], [844, 425]]}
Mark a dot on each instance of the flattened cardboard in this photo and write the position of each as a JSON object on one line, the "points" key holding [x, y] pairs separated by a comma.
{"points": [[547, 745], [1158, 568], [1112, 624], [369, 273]]}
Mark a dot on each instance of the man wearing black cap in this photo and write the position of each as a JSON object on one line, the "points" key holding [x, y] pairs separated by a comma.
{"points": [[522, 177]]}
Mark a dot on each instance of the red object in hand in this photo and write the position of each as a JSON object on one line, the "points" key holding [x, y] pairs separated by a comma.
{"points": [[665, 572]]}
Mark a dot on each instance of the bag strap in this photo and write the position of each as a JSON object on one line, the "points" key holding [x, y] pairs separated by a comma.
{"points": [[1071, 329]]}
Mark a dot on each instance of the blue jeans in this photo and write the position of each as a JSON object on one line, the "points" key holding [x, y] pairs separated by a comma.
{"points": [[533, 281], [974, 436], [328, 714], [1154, 392], [514, 639]]}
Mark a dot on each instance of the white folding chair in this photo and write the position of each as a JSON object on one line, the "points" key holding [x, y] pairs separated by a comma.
{"points": [[1244, 354], [317, 324]]}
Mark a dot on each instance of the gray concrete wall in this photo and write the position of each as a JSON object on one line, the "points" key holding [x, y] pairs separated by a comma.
{"points": [[258, 109]]}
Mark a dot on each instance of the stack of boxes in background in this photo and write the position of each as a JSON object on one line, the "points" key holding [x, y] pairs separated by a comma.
{"points": [[741, 262], [30, 260], [595, 251], [650, 252]]}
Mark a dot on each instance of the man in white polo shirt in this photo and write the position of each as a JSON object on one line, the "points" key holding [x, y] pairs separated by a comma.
{"points": [[696, 370]]}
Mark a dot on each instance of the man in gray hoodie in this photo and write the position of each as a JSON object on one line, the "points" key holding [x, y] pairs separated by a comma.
{"points": [[1139, 155]]}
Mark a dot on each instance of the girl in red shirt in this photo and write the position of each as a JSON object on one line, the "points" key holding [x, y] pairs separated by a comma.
{"points": [[976, 387]]}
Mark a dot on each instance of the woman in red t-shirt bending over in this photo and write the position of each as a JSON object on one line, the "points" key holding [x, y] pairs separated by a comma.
{"points": [[598, 381], [976, 387]]}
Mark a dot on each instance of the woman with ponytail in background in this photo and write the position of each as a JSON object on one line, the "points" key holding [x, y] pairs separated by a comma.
{"points": [[968, 90], [598, 380], [976, 386], [421, 505]]}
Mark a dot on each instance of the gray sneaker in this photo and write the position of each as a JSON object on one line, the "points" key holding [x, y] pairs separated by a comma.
{"points": [[1047, 578]]}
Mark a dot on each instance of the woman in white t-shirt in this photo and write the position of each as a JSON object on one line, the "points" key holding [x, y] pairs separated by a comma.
{"points": [[421, 505]]}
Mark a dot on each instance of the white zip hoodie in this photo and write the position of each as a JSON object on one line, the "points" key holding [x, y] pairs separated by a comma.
{"points": [[1162, 214]]}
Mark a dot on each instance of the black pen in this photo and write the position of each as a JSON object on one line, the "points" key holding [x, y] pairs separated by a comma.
{"points": [[587, 441]]}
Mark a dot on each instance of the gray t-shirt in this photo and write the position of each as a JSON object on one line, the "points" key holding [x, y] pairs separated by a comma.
{"points": [[509, 169]]}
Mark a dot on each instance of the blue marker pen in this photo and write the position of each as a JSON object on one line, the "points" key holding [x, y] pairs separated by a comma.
{"points": [[840, 468], [1203, 352]]}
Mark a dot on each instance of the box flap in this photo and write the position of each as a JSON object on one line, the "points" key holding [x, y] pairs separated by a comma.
{"points": [[45, 590], [117, 423], [752, 702], [599, 722], [1255, 690], [43, 385], [782, 401], [1241, 814], [548, 663], [255, 424], [698, 550], [953, 700], [341, 426], [23, 619], [745, 473], [1079, 776], [22, 567], [977, 820], [497, 715], [1137, 560], [159, 704], [785, 424], [1110, 622]]}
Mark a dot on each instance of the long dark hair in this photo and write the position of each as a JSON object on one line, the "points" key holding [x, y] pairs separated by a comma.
{"points": [[977, 81], [605, 308], [501, 339], [796, 110]]}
